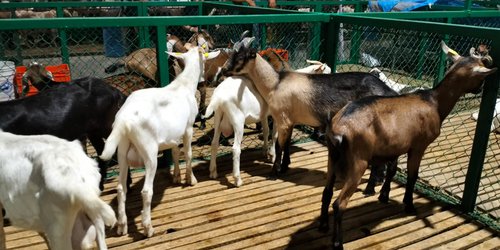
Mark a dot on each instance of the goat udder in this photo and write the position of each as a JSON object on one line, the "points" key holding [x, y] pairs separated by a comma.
{"points": [[226, 128]]}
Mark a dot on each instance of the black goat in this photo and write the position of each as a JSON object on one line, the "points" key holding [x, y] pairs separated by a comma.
{"points": [[83, 108]]}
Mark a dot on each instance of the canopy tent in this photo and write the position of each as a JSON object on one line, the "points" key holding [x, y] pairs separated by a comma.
{"points": [[409, 5]]}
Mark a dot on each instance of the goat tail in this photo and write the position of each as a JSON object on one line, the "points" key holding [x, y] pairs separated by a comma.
{"points": [[113, 67], [209, 111], [112, 143], [97, 210]]}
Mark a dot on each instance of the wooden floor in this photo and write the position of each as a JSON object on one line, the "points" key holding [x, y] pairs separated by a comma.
{"points": [[277, 214]]}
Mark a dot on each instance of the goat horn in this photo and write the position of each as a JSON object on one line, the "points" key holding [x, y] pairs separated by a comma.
{"points": [[314, 62], [247, 41], [244, 34]]}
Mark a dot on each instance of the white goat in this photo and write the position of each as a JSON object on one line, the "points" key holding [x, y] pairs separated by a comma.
{"points": [[495, 124], [49, 185], [315, 67], [237, 102], [398, 87], [156, 119]]}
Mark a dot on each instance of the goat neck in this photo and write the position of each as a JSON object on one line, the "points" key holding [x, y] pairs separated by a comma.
{"points": [[264, 77], [193, 69], [459, 80]]}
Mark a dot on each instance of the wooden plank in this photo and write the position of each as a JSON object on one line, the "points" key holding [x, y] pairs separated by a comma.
{"points": [[447, 236], [283, 213], [493, 243], [469, 240]]}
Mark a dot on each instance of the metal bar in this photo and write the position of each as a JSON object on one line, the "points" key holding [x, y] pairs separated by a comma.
{"points": [[161, 57], [263, 35], [90, 4], [144, 39], [355, 45], [468, 5], [63, 36], [77, 22], [424, 45], [481, 136], [442, 60], [249, 9], [316, 36], [424, 26], [331, 51], [427, 14]]}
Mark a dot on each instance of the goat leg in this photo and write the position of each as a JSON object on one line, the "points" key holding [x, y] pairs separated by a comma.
{"points": [[386, 187], [203, 94], [286, 155], [414, 158], [2, 232], [277, 161], [325, 203], [98, 145], [328, 191]]}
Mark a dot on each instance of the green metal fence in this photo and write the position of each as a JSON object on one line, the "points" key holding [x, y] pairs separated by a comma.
{"points": [[462, 165]]}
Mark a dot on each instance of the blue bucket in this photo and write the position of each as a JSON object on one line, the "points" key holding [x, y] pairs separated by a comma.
{"points": [[113, 42]]}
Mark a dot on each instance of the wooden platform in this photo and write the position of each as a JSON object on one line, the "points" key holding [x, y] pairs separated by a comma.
{"points": [[277, 214]]}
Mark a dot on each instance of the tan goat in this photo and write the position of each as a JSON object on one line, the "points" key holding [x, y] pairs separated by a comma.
{"points": [[378, 129]]}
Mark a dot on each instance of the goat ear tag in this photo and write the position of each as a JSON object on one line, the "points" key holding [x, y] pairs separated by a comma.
{"points": [[204, 46], [452, 52], [205, 54]]}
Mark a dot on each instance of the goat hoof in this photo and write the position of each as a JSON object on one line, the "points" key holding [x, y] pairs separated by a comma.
{"points": [[283, 170], [338, 246], [323, 227], [369, 192], [149, 230], [122, 229], [238, 182], [213, 176], [191, 181], [202, 126], [383, 198], [273, 175], [177, 179], [410, 209]]}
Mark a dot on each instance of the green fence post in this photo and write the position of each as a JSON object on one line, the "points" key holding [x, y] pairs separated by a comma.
{"points": [[263, 36], [163, 77], [161, 56], [442, 59], [144, 39], [481, 137], [424, 45], [63, 36], [468, 5], [355, 45], [331, 42], [316, 36]]}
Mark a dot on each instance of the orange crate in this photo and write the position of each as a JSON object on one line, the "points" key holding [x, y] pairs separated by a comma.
{"points": [[60, 72], [283, 53]]}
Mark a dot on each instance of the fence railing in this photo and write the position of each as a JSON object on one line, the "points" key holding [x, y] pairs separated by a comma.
{"points": [[403, 45]]}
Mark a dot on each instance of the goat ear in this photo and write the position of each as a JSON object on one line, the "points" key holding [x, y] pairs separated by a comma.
{"points": [[453, 55], [483, 71], [175, 54], [211, 55]]}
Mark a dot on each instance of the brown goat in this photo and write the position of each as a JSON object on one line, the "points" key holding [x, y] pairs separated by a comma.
{"points": [[143, 61], [378, 129]]}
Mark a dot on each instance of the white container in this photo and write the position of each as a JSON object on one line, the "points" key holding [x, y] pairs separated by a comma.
{"points": [[7, 73]]}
